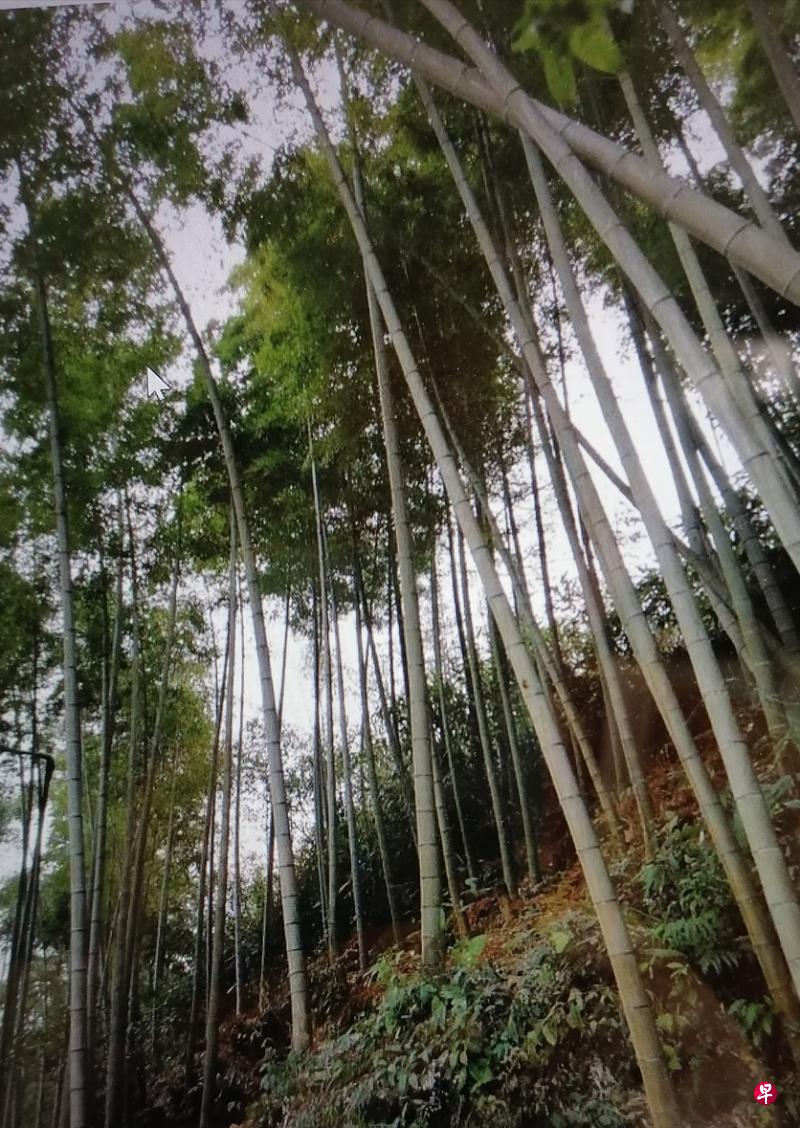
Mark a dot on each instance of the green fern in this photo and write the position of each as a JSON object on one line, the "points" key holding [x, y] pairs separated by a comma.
{"points": [[685, 890]]}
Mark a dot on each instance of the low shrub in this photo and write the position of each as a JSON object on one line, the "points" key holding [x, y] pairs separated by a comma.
{"points": [[686, 892], [541, 1043]]}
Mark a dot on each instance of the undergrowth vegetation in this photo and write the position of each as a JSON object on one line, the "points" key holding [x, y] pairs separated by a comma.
{"points": [[524, 1027], [685, 890], [480, 1044]]}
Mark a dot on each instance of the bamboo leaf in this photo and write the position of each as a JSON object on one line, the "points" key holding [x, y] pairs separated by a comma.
{"points": [[527, 39], [594, 45], [560, 76]]}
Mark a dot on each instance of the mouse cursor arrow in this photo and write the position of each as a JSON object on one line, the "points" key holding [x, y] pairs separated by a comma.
{"points": [[156, 387]]}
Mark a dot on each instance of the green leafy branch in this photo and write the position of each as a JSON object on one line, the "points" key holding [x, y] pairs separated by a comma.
{"points": [[561, 31]]}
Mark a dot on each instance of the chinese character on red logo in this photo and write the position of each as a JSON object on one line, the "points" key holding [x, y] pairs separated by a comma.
{"points": [[765, 1093]]}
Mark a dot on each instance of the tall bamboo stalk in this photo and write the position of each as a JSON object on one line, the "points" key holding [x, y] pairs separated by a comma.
{"points": [[549, 670], [142, 840], [634, 1001], [745, 530], [298, 988], [498, 812], [237, 828], [631, 614], [200, 960], [737, 158], [80, 1081], [326, 679], [369, 752], [347, 781], [446, 841], [270, 827], [163, 909], [438, 672], [778, 57], [432, 939], [742, 397], [118, 1016], [388, 724], [109, 707], [213, 1011], [525, 806], [752, 649]]}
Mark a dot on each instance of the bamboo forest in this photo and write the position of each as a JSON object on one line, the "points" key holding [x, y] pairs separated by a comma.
{"points": [[399, 563]]}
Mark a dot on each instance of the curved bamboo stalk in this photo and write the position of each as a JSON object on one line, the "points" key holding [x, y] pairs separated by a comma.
{"points": [[740, 240], [742, 429], [738, 384]]}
